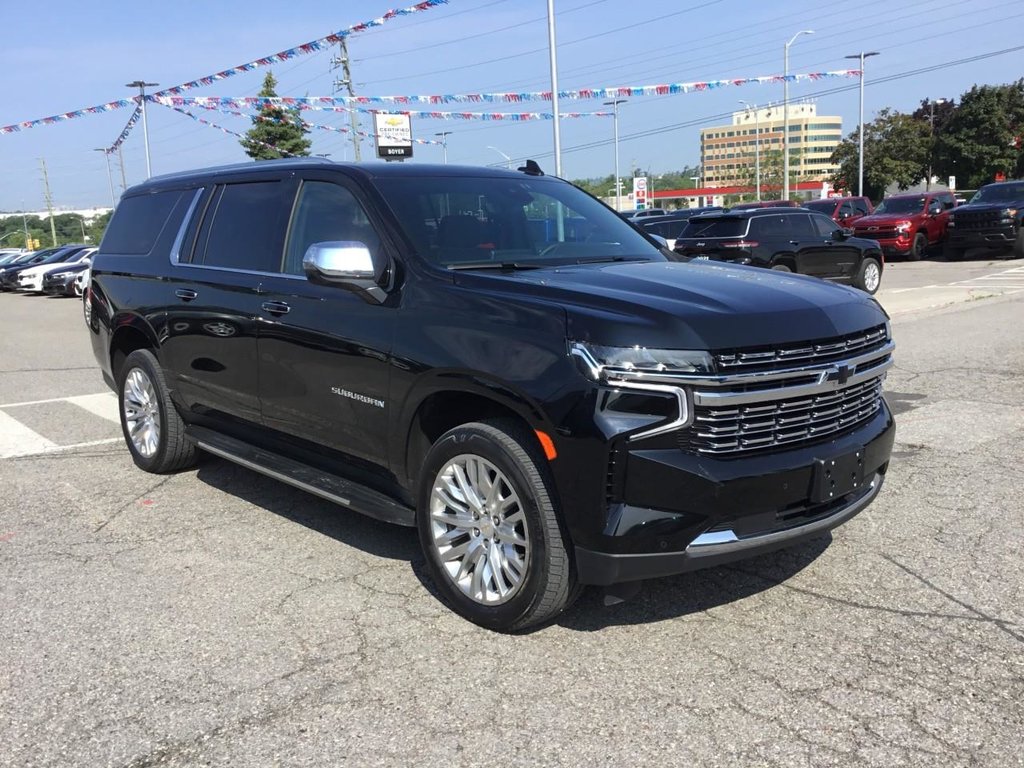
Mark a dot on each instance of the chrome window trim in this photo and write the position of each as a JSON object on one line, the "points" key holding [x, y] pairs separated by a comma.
{"points": [[179, 239], [258, 273]]}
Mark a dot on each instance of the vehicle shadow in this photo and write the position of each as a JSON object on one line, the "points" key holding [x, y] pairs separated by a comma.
{"points": [[694, 592], [658, 599], [394, 542]]}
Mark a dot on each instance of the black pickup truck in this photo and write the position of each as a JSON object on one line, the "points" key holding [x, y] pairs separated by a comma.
{"points": [[993, 219], [495, 358]]}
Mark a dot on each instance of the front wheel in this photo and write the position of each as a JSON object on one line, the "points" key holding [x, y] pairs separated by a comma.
{"points": [[489, 528], [869, 276], [781, 268], [153, 430], [918, 248], [1018, 246]]}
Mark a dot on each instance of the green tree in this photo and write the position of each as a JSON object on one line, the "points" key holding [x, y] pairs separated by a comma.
{"points": [[983, 135], [98, 227], [277, 132], [896, 151]]}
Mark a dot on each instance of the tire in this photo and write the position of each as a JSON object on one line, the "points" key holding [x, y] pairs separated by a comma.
{"points": [[462, 546], [159, 445], [949, 253], [1018, 246], [781, 268], [869, 275], [919, 247]]}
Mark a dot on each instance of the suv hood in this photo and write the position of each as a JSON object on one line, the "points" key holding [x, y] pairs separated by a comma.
{"points": [[689, 305]]}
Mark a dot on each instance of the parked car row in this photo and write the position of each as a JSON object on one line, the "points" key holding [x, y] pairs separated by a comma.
{"points": [[59, 271]]}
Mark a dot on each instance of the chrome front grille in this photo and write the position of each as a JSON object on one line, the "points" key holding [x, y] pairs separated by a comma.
{"points": [[784, 422], [809, 353]]}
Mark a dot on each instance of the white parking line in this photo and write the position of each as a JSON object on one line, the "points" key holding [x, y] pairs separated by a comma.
{"points": [[18, 440], [104, 404], [50, 400]]}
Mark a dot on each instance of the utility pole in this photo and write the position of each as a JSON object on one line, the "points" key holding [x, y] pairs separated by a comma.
{"points": [[757, 149], [49, 200], [346, 82], [931, 139], [110, 179], [142, 85], [24, 223], [860, 126]]}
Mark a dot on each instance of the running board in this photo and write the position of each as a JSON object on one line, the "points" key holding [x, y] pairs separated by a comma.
{"points": [[337, 489]]}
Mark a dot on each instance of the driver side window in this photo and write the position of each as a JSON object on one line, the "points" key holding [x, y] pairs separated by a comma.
{"points": [[326, 212]]}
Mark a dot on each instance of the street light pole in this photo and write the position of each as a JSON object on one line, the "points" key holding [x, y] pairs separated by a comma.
{"points": [[508, 160], [444, 143], [554, 87], [785, 113], [110, 178], [860, 126], [757, 150], [931, 139], [142, 85], [614, 104]]}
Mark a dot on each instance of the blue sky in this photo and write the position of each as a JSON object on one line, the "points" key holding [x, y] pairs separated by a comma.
{"points": [[80, 54]]}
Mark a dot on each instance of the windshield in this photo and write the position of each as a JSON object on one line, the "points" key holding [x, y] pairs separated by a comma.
{"points": [[716, 227], [821, 206], [999, 193], [519, 221], [901, 205]]}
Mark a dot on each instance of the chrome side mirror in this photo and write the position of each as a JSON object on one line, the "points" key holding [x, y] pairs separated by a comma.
{"points": [[348, 264]]}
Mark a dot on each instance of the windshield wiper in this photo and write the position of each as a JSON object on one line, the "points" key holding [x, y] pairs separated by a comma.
{"points": [[607, 259], [509, 265]]}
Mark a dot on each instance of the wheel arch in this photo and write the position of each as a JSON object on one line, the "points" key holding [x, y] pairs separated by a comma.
{"points": [[441, 405], [131, 332]]}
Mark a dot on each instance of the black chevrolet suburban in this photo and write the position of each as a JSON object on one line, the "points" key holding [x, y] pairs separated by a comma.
{"points": [[495, 358], [994, 220]]}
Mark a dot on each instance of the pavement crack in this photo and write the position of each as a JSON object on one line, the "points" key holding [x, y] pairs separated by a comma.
{"points": [[120, 510]]}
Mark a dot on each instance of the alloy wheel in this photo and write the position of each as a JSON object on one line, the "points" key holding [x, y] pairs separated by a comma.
{"points": [[141, 412], [478, 530], [872, 277]]}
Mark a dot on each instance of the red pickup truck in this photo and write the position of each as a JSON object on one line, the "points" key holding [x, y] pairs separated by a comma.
{"points": [[907, 225], [842, 210]]}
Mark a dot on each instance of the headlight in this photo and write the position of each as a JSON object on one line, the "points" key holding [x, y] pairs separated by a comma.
{"points": [[1009, 213], [903, 226], [602, 362]]}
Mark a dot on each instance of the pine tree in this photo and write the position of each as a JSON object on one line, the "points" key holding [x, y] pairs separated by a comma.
{"points": [[277, 132]]}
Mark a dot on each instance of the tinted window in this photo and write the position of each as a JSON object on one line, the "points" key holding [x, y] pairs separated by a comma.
{"points": [[948, 202], [245, 226], [458, 219], [823, 226], [901, 205], [138, 222], [716, 227], [821, 206], [326, 212], [999, 193], [861, 206]]}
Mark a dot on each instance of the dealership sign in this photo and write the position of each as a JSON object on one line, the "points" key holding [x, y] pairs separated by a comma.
{"points": [[394, 135]]}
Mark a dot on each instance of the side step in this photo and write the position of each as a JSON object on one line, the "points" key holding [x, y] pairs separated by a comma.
{"points": [[347, 493]]}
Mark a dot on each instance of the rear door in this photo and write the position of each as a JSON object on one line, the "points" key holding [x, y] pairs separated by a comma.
{"points": [[209, 347], [324, 351], [821, 253]]}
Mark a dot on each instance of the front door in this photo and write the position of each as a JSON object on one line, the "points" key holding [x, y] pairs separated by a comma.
{"points": [[324, 351], [822, 253]]}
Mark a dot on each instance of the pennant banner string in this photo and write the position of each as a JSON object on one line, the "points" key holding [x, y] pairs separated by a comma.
{"points": [[312, 46], [136, 115], [108, 107]]}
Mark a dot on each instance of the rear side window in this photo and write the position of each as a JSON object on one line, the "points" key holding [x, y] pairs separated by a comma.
{"points": [[138, 222], [717, 227], [245, 227]]}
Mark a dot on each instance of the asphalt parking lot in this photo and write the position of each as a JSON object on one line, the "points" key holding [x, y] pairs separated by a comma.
{"points": [[216, 617]]}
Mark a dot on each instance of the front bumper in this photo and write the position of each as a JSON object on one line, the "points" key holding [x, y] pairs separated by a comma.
{"points": [[998, 238], [682, 511]]}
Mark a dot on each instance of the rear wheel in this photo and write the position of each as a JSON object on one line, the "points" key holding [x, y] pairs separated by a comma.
{"points": [[781, 268], [869, 276], [918, 248], [153, 430], [489, 528]]}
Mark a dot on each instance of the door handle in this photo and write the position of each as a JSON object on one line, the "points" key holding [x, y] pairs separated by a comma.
{"points": [[794, 242], [186, 294], [276, 307]]}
